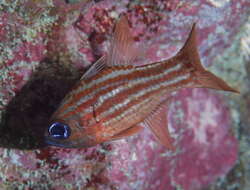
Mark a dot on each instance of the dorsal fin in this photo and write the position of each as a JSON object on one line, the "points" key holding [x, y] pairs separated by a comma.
{"points": [[122, 48], [95, 68]]}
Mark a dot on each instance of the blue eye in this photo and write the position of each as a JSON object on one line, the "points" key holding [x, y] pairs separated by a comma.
{"points": [[59, 131]]}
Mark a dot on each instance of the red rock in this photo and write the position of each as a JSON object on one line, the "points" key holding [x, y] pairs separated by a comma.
{"points": [[208, 150]]}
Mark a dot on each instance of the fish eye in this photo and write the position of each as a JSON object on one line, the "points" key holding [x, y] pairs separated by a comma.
{"points": [[59, 131]]}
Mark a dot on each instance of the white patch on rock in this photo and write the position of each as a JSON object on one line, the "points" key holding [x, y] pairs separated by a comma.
{"points": [[74, 160], [73, 40], [207, 117], [206, 120], [212, 15], [220, 3], [14, 159], [133, 156], [245, 40]]}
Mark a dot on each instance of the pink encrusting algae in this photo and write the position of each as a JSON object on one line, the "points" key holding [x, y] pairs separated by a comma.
{"points": [[200, 120], [200, 159]]}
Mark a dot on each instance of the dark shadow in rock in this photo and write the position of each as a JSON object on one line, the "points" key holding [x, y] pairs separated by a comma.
{"points": [[27, 114]]}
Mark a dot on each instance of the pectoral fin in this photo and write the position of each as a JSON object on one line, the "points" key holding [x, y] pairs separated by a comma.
{"points": [[128, 132]]}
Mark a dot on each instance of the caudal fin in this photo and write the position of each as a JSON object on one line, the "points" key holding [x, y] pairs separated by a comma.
{"points": [[209, 80], [202, 78]]}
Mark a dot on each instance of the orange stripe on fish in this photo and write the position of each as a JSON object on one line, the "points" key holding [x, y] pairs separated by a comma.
{"points": [[103, 81], [133, 85], [137, 90], [127, 103], [134, 74], [114, 97]]}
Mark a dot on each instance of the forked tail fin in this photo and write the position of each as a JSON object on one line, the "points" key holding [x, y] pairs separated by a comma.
{"points": [[202, 78]]}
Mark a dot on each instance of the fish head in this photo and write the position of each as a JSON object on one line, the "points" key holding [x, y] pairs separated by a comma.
{"points": [[70, 133]]}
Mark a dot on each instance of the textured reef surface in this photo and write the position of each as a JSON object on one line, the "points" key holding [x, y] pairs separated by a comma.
{"points": [[45, 46]]}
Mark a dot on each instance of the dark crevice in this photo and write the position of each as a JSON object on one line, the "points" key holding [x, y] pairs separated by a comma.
{"points": [[27, 115]]}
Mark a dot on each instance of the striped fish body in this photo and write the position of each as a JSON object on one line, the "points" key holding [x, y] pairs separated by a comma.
{"points": [[118, 98], [110, 103]]}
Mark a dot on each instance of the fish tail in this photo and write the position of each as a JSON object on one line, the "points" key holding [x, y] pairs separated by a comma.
{"points": [[202, 78]]}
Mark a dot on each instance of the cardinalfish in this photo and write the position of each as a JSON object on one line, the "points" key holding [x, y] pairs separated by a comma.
{"points": [[114, 97]]}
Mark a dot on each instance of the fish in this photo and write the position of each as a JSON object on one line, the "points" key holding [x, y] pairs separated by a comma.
{"points": [[115, 98]]}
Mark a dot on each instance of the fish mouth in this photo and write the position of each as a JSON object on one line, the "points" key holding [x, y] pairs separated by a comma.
{"points": [[57, 143], [61, 143], [67, 143]]}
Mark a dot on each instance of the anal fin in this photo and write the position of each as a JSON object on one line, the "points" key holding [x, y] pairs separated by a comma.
{"points": [[128, 132], [157, 123]]}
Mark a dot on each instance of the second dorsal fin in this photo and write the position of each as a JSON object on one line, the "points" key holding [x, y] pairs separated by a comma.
{"points": [[122, 50]]}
